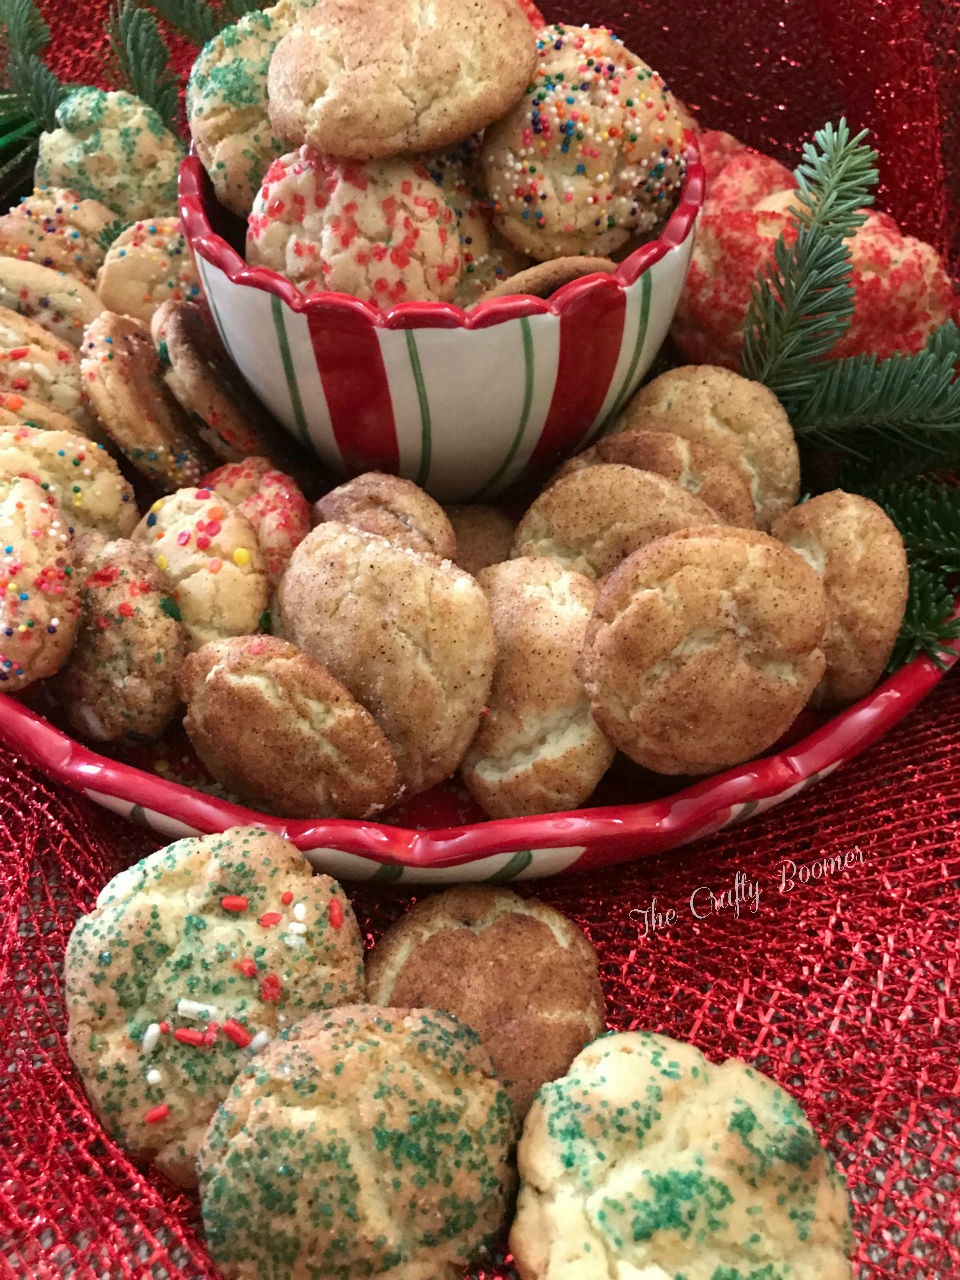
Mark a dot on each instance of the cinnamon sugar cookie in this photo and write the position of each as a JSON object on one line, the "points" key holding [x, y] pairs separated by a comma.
{"points": [[122, 378], [590, 520], [517, 971], [703, 648], [192, 961], [741, 420], [120, 681], [484, 534], [545, 278], [148, 264], [38, 603], [859, 552], [379, 230], [273, 726], [367, 80], [392, 507], [409, 635], [538, 748]]}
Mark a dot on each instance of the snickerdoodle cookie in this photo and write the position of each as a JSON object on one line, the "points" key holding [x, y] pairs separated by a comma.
{"points": [[857, 549], [39, 608], [362, 1142], [122, 377], [538, 748], [409, 635], [544, 278], [484, 534], [703, 648], [517, 971], [191, 962], [304, 747], [367, 80], [689, 463], [592, 519], [210, 554], [392, 507], [590, 155], [741, 420], [120, 681], [648, 1160]]}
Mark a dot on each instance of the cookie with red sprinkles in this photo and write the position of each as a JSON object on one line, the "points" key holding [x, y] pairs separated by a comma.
{"points": [[591, 155], [191, 962], [379, 230], [38, 590], [273, 503]]}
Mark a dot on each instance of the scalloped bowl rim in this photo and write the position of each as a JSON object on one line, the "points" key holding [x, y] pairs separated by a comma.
{"points": [[193, 186], [608, 834]]}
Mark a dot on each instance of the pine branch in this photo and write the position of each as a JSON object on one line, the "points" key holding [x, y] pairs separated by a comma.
{"points": [[928, 517], [38, 89], [31, 86], [27, 32], [803, 302], [145, 60], [195, 19], [929, 622]]}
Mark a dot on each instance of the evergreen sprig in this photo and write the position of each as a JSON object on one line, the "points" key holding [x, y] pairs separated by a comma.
{"points": [[144, 59], [195, 19], [29, 102], [930, 621], [802, 302], [927, 514]]}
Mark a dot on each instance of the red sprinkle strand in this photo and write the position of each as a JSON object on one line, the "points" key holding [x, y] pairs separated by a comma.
{"points": [[236, 1032], [287, 898], [335, 912], [233, 902], [247, 967], [270, 918], [270, 988], [190, 1035], [156, 1114]]}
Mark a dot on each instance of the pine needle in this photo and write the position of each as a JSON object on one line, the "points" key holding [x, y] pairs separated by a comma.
{"points": [[928, 517], [145, 60], [930, 621], [195, 19], [31, 86], [26, 30]]}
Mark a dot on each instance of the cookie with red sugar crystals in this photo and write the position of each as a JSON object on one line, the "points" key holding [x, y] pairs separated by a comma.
{"points": [[379, 230], [272, 502]]}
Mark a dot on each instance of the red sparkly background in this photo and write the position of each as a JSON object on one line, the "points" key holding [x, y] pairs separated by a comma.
{"points": [[845, 990]]}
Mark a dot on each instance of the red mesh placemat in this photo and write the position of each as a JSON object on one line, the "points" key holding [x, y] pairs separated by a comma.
{"points": [[845, 988]]}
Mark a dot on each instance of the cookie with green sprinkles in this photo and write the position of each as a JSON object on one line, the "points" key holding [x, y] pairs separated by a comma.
{"points": [[120, 682], [114, 148], [192, 961], [648, 1160], [91, 491], [365, 1142]]}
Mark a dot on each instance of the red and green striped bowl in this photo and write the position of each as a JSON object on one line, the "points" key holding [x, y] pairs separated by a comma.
{"points": [[464, 403]]}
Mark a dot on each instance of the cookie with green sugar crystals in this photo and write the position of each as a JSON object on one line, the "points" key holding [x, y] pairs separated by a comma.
{"points": [[364, 1142], [192, 961], [114, 148], [648, 1160]]}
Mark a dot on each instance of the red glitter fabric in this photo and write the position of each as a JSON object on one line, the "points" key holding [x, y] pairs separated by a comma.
{"points": [[843, 987]]}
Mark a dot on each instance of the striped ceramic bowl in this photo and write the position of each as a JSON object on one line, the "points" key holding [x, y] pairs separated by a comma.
{"points": [[464, 403]]}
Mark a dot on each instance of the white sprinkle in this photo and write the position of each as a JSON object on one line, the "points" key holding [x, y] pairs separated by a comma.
{"points": [[293, 940], [258, 1042], [296, 927], [300, 911], [154, 1076], [150, 1038], [197, 1011]]}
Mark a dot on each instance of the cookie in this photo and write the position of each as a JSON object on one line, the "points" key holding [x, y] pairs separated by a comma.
{"points": [[703, 648], [741, 420], [229, 419], [191, 962], [392, 507], [86, 482], [592, 519], [409, 635], [517, 971], [368, 81], [227, 104], [114, 148], [363, 1142], [120, 682], [122, 378], [379, 230], [544, 278], [16, 410], [538, 748], [149, 263], [272, 502], [858, 550], [35, 364], [484, 534], [649, 1160], [689, 463], [274, 727], [56, 300], [39, 607], [209, 552], [590, 155], [57, 229]]}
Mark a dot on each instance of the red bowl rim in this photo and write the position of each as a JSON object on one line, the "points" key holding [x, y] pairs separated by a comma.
{"points": [[608, 834], [194, 191]]}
